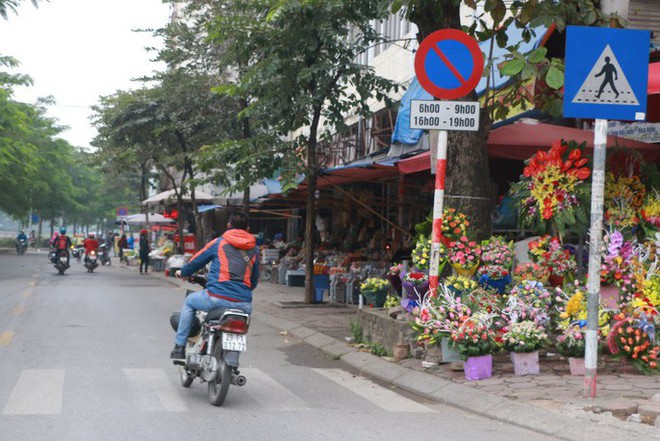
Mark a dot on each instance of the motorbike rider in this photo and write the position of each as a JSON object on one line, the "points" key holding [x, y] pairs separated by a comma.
{"points": [[233, 275], [62, 243], [21, 237], [91, 244]]}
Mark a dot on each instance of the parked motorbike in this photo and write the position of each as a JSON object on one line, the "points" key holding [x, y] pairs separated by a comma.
{"points": [[59, 261], [91, 261], [77, 252], [104, 256], [21, 246], [216, 339]]}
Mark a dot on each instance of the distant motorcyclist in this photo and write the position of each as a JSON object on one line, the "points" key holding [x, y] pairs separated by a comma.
{"points": [[62, 243], [91, 244], [21, 239]]}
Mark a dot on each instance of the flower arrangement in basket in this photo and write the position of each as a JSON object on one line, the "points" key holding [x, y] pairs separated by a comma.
{"points": [[624, 190], [547, 251], [633, 337], [552, 193], [519, 309], [650, 211], [524, 336], [454, 224], [497, 251], [374, 290], [532, 292], [464, 255], [421, 254], [474, 337], [460, 285], [531, 271], [437, 316], [571, 343]]}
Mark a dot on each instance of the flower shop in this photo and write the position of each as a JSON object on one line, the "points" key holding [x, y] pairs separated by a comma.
{"points": [[514, 307]]}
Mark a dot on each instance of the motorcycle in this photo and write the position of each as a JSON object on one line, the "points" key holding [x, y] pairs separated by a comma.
{"points": [[61, 261], [90, 261], [215, 342], [104, 256], [77, 252], [21, 246]]}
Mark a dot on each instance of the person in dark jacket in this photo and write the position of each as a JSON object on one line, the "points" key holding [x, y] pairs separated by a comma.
{"points": [[144, 251], [122, 244], [234, 273]]}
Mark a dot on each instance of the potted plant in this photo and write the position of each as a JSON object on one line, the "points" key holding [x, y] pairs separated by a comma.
{"points": [[374, 290], [463, 255], [571, 344], [474, 339], [524, 339]]}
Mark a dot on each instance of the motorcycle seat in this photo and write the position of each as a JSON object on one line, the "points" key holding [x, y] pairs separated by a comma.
{"points": [[216, 314]]}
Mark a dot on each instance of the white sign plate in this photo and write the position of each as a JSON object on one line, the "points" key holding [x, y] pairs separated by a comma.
{"points": [[444, 115]]}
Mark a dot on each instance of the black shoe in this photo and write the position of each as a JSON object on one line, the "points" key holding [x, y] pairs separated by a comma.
{"points": [[179, 352]]}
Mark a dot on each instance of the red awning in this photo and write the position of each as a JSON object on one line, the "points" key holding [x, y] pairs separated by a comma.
{"points": [[521, 140], [653, 102]]}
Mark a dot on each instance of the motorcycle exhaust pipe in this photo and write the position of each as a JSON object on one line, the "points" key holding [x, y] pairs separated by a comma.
{"points": [[238, 380]]}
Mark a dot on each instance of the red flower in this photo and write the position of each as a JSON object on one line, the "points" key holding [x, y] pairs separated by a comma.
{"points": [[583, 173], [575, 154], [580, 162]]}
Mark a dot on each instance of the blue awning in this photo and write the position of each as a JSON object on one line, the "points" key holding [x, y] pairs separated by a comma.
{"points": [[204, 208]]}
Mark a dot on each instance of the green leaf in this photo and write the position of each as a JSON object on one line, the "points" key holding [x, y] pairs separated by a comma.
{"points": [[512, 67], [554, 78], [537, 55]]}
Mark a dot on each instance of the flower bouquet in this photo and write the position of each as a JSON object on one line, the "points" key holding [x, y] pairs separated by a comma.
{"points": [[523, 340], [474, 340], [464, 256], [454, 224], [547, 251], [624, 196], [532, 292], [494, 276], [374, 290], [394, 276], [460, 285], [616, 268], [571, 306], [634, 338], [421, 255], [650, 211], [552, 193], [415, 284], [497, 251], [571, 342], [531, 271]]}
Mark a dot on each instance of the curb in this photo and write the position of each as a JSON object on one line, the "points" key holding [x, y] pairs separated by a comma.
{"points": [[570, 425]]}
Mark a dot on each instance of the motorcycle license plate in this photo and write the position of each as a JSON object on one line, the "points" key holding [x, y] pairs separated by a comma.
{"points": [[234, 342]]}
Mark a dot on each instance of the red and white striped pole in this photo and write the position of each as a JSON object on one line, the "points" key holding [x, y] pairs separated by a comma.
{"points": [[438, 206]]}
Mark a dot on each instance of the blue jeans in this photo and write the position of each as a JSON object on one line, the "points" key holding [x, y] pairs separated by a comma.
{"points": [[201, 301]]}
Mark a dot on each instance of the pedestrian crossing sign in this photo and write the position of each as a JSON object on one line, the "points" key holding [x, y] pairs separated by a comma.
{"points": [[606, 73]]}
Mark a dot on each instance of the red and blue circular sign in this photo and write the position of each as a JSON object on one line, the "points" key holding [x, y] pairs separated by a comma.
{"points": [[448, 64]]}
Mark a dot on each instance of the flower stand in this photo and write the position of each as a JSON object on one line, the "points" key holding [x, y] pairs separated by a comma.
{"points": [[609, 296], [576, 365], [525, 363], [449, 354], [478, 368], [375, 298]]}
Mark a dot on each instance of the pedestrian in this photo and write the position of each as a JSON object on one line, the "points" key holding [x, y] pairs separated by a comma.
{"points": [[144, 251], [234, 273], [130, 242], [122, 244]]}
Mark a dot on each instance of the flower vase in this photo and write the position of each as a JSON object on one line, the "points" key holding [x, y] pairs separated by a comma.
{"points": [[609, 296], [556, 280], [478, 368], [449, 354], [466, 272], [374, 298], [525, 363], [576, 365]]}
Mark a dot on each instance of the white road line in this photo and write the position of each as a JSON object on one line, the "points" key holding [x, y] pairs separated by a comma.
{"points": [[269, 393], [149, 382], [37, 392], [380, 396]]}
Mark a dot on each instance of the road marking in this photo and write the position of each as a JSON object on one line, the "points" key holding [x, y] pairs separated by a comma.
{"points": [[269, 393], [149, 382], [380, 396], [18, 310], [37, 392], [5, 338]]}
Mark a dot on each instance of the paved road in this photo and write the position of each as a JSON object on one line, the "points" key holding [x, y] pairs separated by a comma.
{"points": [[84, 357]]}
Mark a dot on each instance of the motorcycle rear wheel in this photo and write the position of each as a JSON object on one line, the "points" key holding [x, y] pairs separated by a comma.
{"points": [[186, 377], [219, 387]]}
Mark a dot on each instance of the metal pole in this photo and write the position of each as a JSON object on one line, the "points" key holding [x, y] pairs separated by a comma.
{"points": [[595, 233], [438, 202]]}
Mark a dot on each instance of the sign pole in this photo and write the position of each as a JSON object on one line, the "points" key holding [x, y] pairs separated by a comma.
{"points": [[438, 203], [595, 233]]}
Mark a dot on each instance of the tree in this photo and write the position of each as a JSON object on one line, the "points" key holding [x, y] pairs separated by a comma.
{"points": [[7, 6], [467, 165], [303, 73]]}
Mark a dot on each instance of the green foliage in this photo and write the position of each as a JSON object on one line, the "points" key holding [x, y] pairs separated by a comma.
{"points": [[357, 332], [378, 349]]}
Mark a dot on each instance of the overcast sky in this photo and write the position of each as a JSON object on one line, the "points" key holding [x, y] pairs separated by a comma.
{"points": [[78, 50]]}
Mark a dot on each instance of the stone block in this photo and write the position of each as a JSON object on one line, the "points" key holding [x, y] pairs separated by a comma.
{"points": [[649, 411], [621, 408]]}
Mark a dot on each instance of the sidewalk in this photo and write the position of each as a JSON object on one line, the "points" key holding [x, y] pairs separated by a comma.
{"points": [[550, 403]]}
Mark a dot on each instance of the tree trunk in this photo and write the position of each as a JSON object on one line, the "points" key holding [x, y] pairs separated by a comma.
{"points": [[309, 225], [246, 200]]}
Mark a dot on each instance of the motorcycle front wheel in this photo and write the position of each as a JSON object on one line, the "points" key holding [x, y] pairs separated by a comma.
{"points": [[219, 387]]}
